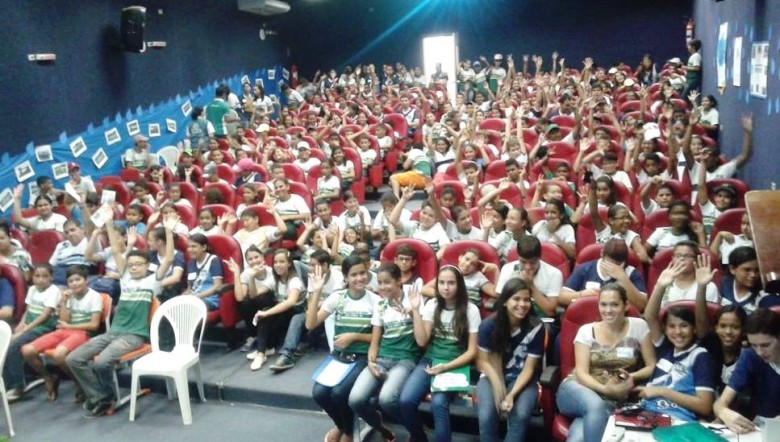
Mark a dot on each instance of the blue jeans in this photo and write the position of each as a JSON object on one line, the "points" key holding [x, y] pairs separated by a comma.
{"points": [[13, 371], [586, 408], [333, 400], [517, 420], [415, 389], [367, 385], [294, 334]]}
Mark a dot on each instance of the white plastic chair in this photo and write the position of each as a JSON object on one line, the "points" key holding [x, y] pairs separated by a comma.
{"points": [[5, 340], [185, 314], [169, 155]]}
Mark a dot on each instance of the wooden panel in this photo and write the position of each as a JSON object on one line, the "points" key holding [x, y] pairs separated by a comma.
{"points": [[763, 207]]}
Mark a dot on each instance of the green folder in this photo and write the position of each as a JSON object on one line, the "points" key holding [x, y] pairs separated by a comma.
{"points": [[688, 432], [458, 379]]}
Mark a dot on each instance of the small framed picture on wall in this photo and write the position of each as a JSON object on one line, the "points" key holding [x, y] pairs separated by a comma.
{"points": [[112, 136], [154, 130], [78, 147], [24, 171], [43, 153], [133, 128], [59, 170]]}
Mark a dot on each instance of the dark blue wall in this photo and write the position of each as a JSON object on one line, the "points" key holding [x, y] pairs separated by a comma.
{"points": [[91, 79], [330, 33], [755, 21]]}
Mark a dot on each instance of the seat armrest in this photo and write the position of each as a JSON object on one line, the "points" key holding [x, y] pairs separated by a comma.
{"points": [[550, 377]]}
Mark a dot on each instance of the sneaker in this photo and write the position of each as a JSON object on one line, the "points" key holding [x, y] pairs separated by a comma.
{"points": [[283, 363], [100, 409], [302, 349], [258, 362], [249, 344], [14, 394], [270, 352], [252, 355]]}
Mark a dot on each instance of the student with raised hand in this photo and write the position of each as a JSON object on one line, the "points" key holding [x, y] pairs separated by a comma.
{"points": [[684, 284], [353, 308], [275, 313], [392, 355], [427, 229], [682, 384], [619, 220], [46, 219], [448, 327], [723, 341], [511, 343], [611, 356], [756, 369], [130, 324], [681, 228]]}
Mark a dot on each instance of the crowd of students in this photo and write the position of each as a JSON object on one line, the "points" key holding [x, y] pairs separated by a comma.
{"points": [[574, 157]]}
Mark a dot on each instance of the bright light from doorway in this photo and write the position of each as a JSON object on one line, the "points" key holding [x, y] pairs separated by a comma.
{"points": [[441, 49]]}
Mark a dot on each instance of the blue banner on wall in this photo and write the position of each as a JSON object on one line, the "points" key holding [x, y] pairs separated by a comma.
{"points": [[99, 148]]}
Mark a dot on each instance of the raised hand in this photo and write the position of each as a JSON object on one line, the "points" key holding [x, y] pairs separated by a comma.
{"points": [[588, 63], [486, 221], [555, 55], [692, 96], [415, 298], [704, 270], [171, 221], [316, 280], [232, 265], [132, 236], [747, 123], [407, 193], [672, 271], [697, 227]]}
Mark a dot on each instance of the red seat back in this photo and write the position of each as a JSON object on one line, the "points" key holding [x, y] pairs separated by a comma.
{"points": [[551, 254], [730, 221], [225, 189], [662, 259], [294, 173], [43, 243], [738, 185], [486, 253], [226, 248], [427, 266], [582, 311], [15, 276]]}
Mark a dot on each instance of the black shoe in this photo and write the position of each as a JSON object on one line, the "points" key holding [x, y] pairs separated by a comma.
{"points": [[283, 363], [100, 409]]}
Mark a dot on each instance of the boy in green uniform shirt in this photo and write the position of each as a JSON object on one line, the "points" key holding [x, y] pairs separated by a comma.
{"points": [[129, 328]]}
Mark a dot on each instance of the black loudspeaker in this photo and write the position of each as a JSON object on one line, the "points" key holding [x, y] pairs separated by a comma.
{"points": [[132, 29]]}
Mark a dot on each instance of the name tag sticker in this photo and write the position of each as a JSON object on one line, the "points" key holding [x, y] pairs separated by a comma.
{"points": [[153, 267], [191, 276], [592, 285], [625, 352], [664, 365]]}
